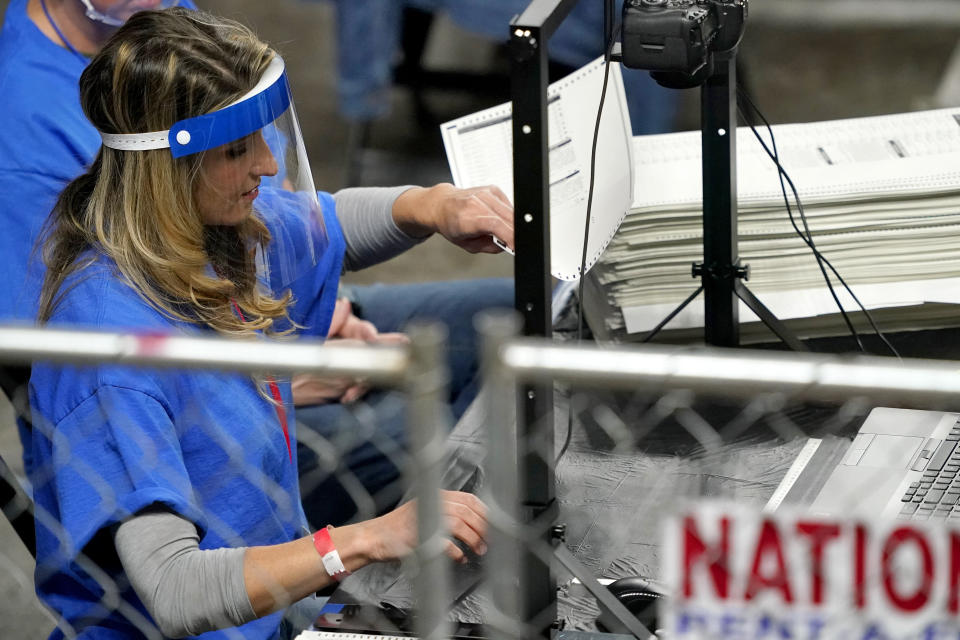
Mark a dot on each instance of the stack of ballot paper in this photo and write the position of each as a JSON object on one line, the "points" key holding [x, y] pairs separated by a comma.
{"points": [[882, 200], [881, 197]]}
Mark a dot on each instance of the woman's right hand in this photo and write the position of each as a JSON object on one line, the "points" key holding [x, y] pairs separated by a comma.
{"points": [[394, 535], [276, 575]]}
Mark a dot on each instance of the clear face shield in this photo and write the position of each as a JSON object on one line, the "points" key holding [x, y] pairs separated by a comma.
{"points": [[119, 12], [253, 162]]}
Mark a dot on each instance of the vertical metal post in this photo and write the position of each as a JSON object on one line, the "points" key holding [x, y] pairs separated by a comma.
{"points": [[531, 192], [719, 141], [427, 389], [531, 171], [529, 33], [503, 480]]}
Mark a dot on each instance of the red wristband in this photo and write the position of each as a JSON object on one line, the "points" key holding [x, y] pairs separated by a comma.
{"points": [[328, 554]]}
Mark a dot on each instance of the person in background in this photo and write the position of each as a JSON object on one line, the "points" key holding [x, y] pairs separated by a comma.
{"points": [[168, 501], [370, 34], [46, 142]]}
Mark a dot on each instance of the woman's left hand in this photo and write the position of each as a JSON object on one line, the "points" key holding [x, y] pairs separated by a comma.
{"points": [[309, 389], [468, 218]]}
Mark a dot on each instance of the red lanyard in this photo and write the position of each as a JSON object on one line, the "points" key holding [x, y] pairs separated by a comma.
{"points": [[275, 392]]}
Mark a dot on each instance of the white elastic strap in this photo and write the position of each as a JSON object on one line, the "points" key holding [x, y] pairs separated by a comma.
{"points": [[136, 141]]}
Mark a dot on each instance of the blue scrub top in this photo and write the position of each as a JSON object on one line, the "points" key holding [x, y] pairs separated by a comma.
{"points": [[45, 142], [109, 441]]}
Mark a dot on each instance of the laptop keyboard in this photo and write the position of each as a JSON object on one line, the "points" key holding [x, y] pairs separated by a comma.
{"points": [[937, 493]]}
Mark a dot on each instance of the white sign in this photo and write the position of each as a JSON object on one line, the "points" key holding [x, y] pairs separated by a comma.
{"points": [[738, 574]]}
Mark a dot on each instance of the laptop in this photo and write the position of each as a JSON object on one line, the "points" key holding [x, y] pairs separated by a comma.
{"points": [[902, 463]]}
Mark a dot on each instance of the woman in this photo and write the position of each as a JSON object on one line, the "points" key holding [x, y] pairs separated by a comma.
{"points": [[169, 500], [47, 142]]}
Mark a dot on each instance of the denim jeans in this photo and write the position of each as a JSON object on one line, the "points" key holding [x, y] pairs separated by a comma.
{"points": [[348, 454], [368, 36]]}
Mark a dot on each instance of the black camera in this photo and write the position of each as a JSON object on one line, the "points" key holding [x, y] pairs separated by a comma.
{"points": [[679, 36]]}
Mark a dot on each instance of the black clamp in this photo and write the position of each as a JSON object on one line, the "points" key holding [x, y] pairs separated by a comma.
{"points": [[730, 272], [558, 534]]}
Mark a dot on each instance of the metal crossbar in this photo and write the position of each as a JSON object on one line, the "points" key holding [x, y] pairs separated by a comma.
{"points": [[384, 364], [417, 369], [745, 373]]}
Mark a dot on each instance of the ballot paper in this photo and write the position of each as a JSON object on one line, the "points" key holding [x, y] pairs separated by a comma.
{"points": [[881, 197], [480, 152]]}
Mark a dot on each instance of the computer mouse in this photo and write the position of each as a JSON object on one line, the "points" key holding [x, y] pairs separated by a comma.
{"points": [[639, 597]]}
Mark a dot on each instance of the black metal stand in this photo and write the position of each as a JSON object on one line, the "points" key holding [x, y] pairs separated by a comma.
{"points": [[719, 150], [721, 273], [529, 34]]}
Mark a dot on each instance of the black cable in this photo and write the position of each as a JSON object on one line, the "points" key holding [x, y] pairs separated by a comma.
{"points": [[808, 237], [586, 224], [593, 164]]}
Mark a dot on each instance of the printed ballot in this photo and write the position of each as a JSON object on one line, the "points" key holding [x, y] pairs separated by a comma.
{"points": [[480, 152]]}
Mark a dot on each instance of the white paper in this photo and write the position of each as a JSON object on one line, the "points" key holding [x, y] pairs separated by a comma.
{"points": [[881, 196], [479, 150]]}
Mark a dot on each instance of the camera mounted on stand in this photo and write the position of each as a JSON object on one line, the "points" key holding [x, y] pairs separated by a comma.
{"points": [[675, 39]]}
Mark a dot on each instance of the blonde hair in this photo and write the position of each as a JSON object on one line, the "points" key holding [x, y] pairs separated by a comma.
{"points": [[138, 207]]}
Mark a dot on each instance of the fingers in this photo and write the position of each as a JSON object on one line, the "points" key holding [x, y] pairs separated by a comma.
{"points": [[501, 196], [354, 393], [482, 244], [496, 216], [308, 389], [342, 311], [473, 215], [455, 552], [467, 519], [359, 329]]}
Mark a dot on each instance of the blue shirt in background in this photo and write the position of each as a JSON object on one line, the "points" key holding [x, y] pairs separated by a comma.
{"points": [[45, 142]]}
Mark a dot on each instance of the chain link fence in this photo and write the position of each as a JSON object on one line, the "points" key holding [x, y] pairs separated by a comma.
{"points": [[580, 493], [638, 437], [244, 464]]}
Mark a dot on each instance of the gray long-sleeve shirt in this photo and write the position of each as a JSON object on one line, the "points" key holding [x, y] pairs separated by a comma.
{"points": [[186, 590], [366, 217]]}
